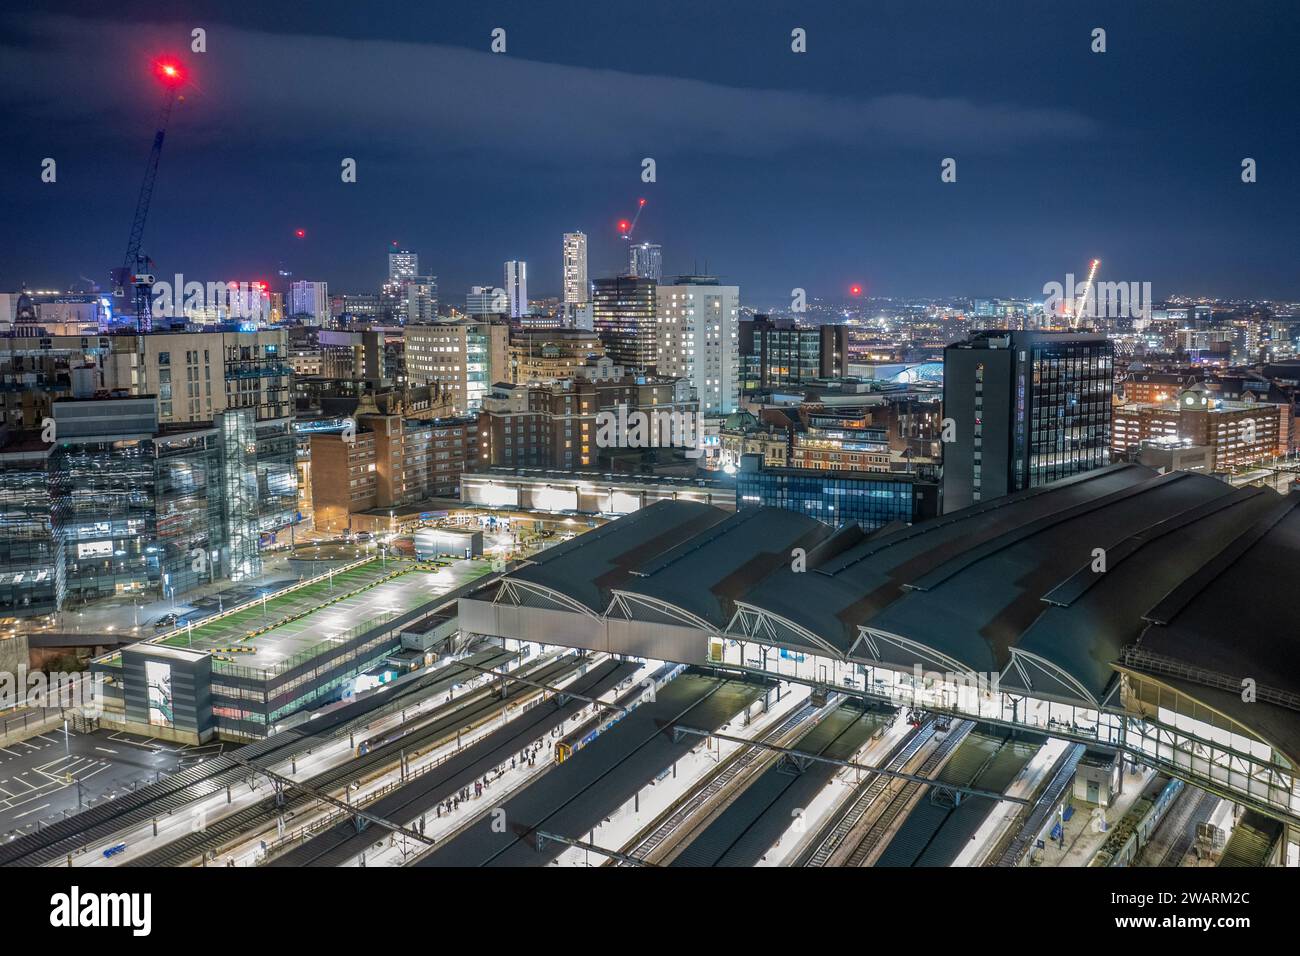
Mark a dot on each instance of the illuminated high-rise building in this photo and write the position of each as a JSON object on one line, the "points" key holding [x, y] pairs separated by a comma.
{"points": [[463, 358], [403, 264], [517, 288], [310, 299], [420, 298], [645, 259], [576, 289], [1026, 408], [698, 327], [623, 314]]}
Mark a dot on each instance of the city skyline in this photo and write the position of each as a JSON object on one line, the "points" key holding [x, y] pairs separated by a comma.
{"points": [[892, 460], [784, 171]]}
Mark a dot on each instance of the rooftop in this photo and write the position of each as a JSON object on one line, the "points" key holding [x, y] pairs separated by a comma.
{"points": [[1051, 587]]}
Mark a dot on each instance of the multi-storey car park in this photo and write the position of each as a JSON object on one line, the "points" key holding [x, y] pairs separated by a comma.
{"points": [[688, 687], [257, 665]]}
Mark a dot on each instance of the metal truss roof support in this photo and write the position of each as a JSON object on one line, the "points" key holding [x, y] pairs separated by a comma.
{"points": [[764, 620], [923, 651], [562, 696], [628, 598], [543, 836], [808, 758], [285, 783]]}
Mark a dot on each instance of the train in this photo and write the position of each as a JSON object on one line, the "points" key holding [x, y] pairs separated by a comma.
{"points": [[605, 718], [1133, 832]]}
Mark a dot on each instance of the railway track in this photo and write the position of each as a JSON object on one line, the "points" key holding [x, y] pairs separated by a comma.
{"points": [[884, 823], [738, 763], [748, 828], [866, 793], [590, 774], [159, 800], [333, 846], [433, 730]]}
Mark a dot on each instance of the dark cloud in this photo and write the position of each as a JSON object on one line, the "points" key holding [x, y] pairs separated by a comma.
{"points": [[422, 99], [777, 170]]}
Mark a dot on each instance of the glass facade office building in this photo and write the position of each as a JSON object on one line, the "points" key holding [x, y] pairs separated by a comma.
{"points": [[779, 353], [105, 517], [101, 471], [277, 475], [1028, 408], [625, 316], [189, 519], [1067, 428], [836, 498], [31, 562], [478, 365], [115, 507]]}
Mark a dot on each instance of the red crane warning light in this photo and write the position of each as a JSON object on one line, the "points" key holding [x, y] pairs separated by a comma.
{"points": [[169, 72], [625, 228], [300, 233], [855, 290]]}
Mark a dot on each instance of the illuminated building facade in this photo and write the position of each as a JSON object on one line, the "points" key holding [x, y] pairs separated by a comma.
{"points": [[699, 339], [576, 289], [841, 445], [1026, 409], [117, 506], [463, 358], [1236, 433], [624, 310]]}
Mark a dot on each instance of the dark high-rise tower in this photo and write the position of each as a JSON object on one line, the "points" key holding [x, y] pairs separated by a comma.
{"points": [[1023, 409], [625, 316]]}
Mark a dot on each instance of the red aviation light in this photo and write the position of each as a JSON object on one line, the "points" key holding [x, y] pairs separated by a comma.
{"points": [[169, 72]]}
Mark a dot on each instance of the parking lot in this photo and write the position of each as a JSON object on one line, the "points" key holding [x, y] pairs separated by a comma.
{"points": [[54, 774], [327, 610]]}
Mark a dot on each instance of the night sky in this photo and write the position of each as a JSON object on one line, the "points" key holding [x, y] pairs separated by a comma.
{"points": [[777, 169]]}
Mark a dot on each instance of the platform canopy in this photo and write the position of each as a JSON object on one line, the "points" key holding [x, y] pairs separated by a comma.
{"points": [[1180, 578]]}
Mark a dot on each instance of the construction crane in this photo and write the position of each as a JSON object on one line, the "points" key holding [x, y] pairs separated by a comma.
{"points": [[1082, 303], [625, 227], [135, 264]]}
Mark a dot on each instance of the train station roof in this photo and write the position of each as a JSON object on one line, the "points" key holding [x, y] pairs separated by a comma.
{"points": [[1177, 576]]}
